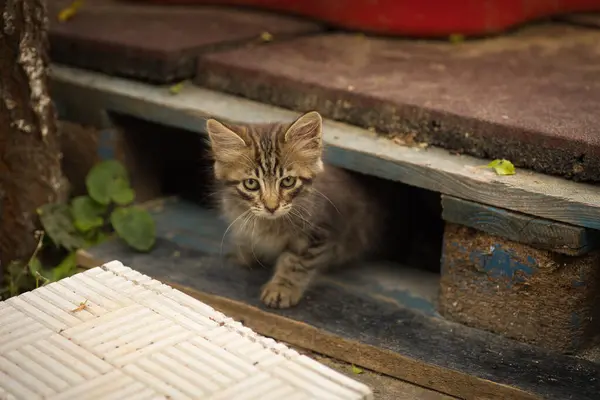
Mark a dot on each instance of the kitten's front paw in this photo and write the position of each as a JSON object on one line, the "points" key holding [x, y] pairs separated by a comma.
{"points": [[277, 295]]}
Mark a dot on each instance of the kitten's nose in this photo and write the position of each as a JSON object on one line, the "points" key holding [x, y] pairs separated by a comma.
{"points": [[271, 209]]}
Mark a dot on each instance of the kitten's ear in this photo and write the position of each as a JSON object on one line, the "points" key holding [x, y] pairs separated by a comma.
{"points": [[226, 144], [304, 142], [306, 129]]}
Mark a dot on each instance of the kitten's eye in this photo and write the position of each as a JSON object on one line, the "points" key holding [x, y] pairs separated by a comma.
{"points": [[251, 184], [288, 181]]}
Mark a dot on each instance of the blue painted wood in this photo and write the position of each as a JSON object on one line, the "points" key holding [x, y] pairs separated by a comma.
{"points": [[498, 262], [106, 144], [191, 226], [521, 292], [522, 228]]}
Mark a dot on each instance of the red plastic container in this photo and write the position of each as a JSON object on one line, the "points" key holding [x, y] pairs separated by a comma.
{"points": [[425, 18]]}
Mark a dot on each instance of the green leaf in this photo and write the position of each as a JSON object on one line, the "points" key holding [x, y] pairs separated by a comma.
{"points": [[58, 224], [502, 167], [35, 265], [95, 237], [87, 213], [176, 88], [456, 38], [37, 272], [66, 268], [356, 370], [122, 194], [108, 181], [135, 226], [266, 37]]}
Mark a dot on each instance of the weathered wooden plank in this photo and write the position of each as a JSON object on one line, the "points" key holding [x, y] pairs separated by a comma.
{"points": [[522, 228], [348, 146], [532, 295]]}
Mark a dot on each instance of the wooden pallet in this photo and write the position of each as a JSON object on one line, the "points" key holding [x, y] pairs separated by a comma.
{"points": [[347, 146], [522, 208], [527, 278]]}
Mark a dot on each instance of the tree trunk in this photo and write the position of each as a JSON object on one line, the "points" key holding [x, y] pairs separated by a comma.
{"points": [[30, 173]]}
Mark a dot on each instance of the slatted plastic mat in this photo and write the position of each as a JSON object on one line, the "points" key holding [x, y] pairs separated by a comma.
{"points": [[113, 333]]}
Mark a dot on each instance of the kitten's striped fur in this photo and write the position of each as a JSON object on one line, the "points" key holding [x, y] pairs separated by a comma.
{"points": [[286, 208]]}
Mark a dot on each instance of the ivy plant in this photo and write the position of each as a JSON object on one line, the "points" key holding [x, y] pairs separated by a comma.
{"points": [[107, 207], [84, 221]]}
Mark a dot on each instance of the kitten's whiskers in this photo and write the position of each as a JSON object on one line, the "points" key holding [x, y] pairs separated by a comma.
{"points": [[300, 207], [252, 243], [328, 199], [227, 230], [297, 214], [291, 222]]}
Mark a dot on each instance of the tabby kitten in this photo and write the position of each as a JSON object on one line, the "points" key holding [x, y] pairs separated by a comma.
{"points": [[286, 207]]}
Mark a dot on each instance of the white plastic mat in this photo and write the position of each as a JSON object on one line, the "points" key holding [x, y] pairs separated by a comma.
{"points": [[113, 333]]}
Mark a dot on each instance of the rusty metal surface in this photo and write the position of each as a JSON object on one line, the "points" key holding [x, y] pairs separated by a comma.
{"points": [[157, 43], [532, 96]]}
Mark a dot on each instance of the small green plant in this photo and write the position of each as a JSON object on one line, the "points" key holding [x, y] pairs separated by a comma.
{"points": [[88, 219], [85, 221]]}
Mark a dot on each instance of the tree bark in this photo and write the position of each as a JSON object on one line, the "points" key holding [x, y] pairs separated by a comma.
{"points": [[30, 173]]}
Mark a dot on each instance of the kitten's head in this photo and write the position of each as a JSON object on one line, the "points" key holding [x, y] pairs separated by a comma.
{"points": [[267, 167]]}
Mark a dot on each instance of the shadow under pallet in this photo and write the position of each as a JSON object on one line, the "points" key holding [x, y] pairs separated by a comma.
{"points": [[381, 317]]}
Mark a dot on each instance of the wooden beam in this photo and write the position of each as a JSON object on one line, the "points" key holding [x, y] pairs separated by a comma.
{"points": [[520, 292], [348, 146], [538, 232]]}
